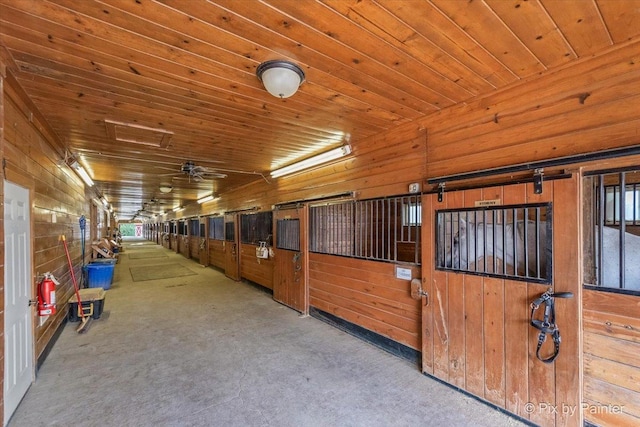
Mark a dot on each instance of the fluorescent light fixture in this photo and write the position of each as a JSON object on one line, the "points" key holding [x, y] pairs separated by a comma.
{"points": [[327, 156], [205, 199], [104, 201], [82, 173], [177, 208]]}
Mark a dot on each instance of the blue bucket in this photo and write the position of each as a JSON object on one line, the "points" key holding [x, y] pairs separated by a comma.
{"points": [[100, 275], [104, 261]]}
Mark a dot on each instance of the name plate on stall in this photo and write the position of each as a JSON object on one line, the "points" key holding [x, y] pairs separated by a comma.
{"points": [[482, 203]]}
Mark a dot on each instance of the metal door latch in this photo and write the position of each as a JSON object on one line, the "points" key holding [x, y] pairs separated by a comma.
{"points": [[417, 292], [33, 302]]}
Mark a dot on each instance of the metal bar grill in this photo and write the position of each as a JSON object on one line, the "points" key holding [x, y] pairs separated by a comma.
{"points": [[194, 227], [616, 237], [512, 242], [288, 234], [622, 229], [229, 232], [504, 237], [600, 223], [256, 227], [216, 228], [380, 229]]}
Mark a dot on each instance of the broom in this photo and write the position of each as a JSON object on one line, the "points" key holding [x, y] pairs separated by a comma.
{"points": [[85, 319]]}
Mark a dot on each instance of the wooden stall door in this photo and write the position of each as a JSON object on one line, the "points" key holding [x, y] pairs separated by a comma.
{"points": [[290, 246], [194, 239], [232, 246], [175, 238], [183, 238], [215, 242], [475, 329]]}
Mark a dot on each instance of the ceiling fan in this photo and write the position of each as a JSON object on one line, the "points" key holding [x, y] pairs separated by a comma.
{"points": [[196, 172]]}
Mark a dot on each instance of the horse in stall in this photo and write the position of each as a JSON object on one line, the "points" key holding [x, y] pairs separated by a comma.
{"points": [[611, 259], [504, 244]]}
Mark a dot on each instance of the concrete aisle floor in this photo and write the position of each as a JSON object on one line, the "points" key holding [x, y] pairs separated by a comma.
{"points": [[203, 350]]}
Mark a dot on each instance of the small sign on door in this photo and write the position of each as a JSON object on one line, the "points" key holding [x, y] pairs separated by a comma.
{"points": [[403, 273]]}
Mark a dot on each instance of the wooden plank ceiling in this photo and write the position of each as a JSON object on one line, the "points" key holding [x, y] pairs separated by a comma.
{"points": [[135, 88]]}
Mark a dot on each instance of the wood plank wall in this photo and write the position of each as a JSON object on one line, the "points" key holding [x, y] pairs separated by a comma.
{"points": [[588, 106], [611, 358], [58, 200], [174, 239], [216, 253], [257, 270], [183, 245], [366, 293], [194, 248]]}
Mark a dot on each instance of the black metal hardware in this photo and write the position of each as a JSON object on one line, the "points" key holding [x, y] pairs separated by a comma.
{"points": [[537, 180]]}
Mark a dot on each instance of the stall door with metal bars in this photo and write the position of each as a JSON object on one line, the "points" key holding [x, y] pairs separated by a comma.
{"points": [[289, 285], [484, 263]]}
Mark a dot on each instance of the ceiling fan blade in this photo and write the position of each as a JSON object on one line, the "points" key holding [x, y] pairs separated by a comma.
{"points": [[215, 175], [185, 179]]}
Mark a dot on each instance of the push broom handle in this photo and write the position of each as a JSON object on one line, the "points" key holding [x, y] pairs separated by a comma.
{"points": [[73, 276]]}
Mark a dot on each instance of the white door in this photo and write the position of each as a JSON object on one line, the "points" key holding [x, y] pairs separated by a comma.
{"points": [[18, 344]]}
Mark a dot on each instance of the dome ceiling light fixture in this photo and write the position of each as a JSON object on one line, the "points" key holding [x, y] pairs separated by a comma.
{"points": [[281, 78], [166, 189]]}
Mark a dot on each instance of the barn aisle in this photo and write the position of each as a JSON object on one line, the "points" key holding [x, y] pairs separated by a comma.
{"points": [[182, 345]]}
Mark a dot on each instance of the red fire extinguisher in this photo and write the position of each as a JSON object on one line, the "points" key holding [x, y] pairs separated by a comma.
{"points": [[47, 295]]}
